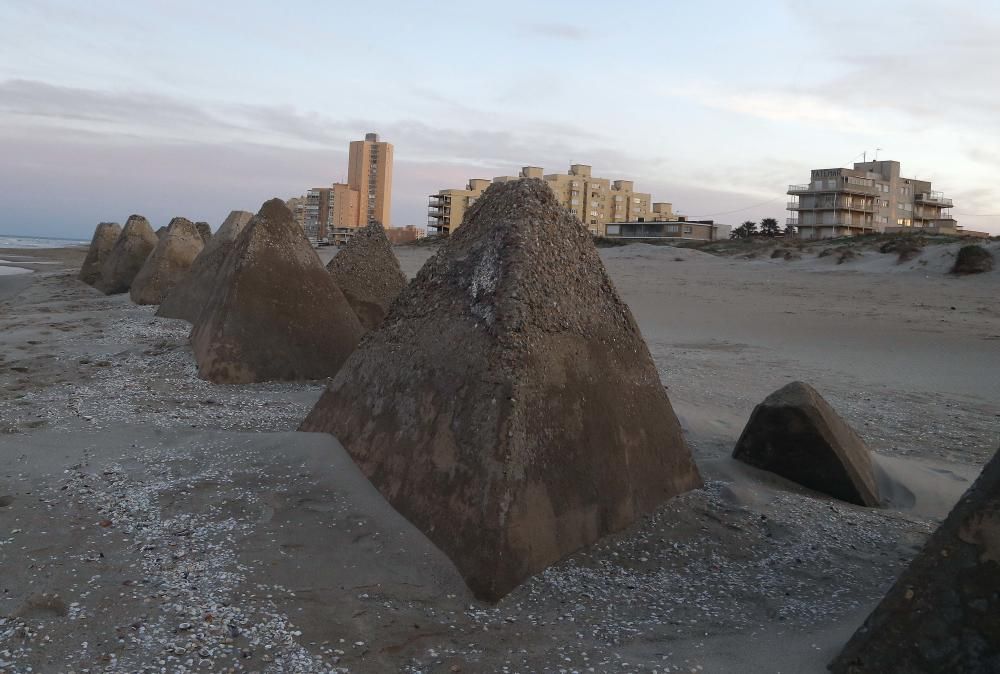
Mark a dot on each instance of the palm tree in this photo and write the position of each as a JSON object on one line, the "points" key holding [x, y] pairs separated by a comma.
{"points": [[790, 231], [769, 227], [749, 229]]}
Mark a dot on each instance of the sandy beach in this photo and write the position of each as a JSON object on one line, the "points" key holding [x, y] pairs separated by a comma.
{"points": [[152, 521]]}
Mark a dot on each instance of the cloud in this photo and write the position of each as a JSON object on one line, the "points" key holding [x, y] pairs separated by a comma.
{"points": [[557, 30]]}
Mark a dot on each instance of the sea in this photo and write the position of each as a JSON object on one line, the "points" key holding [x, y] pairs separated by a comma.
{"points": [[16, 241]]}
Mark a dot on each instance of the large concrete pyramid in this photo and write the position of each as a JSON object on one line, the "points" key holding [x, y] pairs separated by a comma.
{"points": [[508, 405], [275, 312], [796, 434], [943, 613], [129, 253], [168, 264], [189, 296], [104, 239], [368, 273]]}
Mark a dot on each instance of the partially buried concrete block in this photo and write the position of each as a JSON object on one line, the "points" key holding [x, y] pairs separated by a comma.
{"points": [[168, 264], [508, 405], [186, 299], [275, 312], [943, 613], [101, 244], [796, 434], [205, 230], [129, 253], [368, 273]]}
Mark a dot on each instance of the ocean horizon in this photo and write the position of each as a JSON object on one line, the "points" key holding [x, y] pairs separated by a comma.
{"points": [[22, 241]]}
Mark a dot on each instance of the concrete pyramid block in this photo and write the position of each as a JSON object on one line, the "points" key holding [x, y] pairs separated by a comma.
{"points": [[368, 273], [943, 613], [508, 405], [101, 244], [129, 253], [188, 297], [797, 435], [168, 264], [205, 230], [275, 312]]}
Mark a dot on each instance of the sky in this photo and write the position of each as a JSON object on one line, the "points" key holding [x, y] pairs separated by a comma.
{"points": [[194, 109]]}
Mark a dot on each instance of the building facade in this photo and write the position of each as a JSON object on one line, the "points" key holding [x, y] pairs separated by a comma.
{"points": [[332, 214], [655, 229], [597, 202], [869, 198], [369, 172]]}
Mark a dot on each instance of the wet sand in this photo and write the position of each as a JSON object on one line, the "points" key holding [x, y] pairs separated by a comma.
{"points": [[150, 520]]}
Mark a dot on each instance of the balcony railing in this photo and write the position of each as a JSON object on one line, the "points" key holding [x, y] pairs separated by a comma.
{"points": [[830, 205], [794, 222], [935, 198], [839, 223], [798, 188]]}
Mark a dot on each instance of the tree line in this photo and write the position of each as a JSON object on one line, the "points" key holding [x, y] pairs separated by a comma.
{"points": [[768, 227]]}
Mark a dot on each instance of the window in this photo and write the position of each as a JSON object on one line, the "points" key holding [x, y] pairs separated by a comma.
{"points": [[687, 229], [614, 229], [593, 222], [673, 229]]}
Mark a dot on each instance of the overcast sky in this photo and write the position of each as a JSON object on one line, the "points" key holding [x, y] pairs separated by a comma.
{"points": [[198, 108]]}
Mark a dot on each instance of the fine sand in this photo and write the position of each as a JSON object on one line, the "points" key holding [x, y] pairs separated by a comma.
{"points": [[151, 521]]}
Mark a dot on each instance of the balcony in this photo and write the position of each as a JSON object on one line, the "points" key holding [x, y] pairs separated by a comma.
{"points": [[832, 205], [934, 199], [841, 186], [792, 222]]}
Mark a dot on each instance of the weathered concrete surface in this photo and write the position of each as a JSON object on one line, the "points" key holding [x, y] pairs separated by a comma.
{"points": [[205, 230], [943, 613], [368, 273], [168, 264], [508, 405], [101, 244], [796, 434], [129, 253], [275, 312], [188, 297]]}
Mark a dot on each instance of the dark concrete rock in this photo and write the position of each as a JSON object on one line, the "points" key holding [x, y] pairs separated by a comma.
{"points": [[508, 405], [275, 312], [205, 230], [368, 273], [101, 244], [189, 295], [943, 613], [129, 253], [796, 434], [168, 263], [972, 259]]}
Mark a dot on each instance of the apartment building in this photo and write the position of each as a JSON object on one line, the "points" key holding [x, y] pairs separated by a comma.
{"points": [[329, 213], [595, 201], [871, 197], [332, 214], [370, 173]]}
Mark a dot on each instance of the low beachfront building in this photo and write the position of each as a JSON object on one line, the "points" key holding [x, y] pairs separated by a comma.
{"points": [[866, 199], [680, 229]]}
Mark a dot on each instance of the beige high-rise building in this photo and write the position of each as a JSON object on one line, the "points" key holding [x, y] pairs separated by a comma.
{"points": [[595, 201], [871, 197], [333, 213], [370, 173]]}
